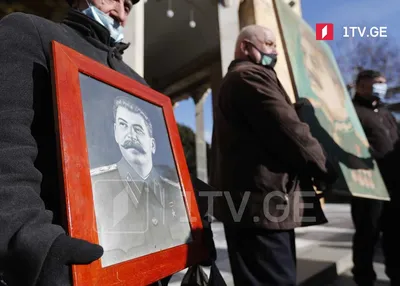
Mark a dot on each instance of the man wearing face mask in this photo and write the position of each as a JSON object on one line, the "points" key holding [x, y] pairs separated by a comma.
{"points": [[373, 217], [31, 237], [260, 148]]}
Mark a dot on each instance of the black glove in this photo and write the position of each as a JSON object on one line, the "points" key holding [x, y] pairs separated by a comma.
{"points": [[66, 251], [324, 181], [303, 104], [332, 174], [322, 185]]}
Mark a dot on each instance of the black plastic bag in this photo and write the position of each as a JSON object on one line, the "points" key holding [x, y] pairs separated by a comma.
{"points": [[195, 276], [216, 278], [202, 201]]}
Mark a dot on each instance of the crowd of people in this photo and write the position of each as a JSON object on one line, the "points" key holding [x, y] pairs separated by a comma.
{"points": [[261, 148]]}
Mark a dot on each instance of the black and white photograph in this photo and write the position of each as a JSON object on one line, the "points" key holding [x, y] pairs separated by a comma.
{"points": [[137, 194]]}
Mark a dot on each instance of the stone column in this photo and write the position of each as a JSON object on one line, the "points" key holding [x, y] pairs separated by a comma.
{"points": [[201, 147], [228, 19], [175, 104], [296, 6], [229, 28], [134, 34]]}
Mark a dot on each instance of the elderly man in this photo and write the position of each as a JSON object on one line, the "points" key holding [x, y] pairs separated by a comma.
{"points": [[373, 217], [34, 249], [154, 206], [260, 149]]}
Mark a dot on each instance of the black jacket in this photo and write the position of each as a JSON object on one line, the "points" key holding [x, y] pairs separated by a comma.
{"points": [[260, 148], [382, 133], [29, 188]]}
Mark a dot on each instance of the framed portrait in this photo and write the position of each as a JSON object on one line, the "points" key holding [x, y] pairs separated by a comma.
{"points": [[125, 179], [331, 115]]}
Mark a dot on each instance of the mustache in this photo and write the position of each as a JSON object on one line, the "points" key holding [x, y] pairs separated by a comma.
{"points": [[130, 144]]}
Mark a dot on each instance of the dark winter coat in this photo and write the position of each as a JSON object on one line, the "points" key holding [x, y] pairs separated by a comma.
{"points": [[382, 133], [29, 188], [260, 149]]}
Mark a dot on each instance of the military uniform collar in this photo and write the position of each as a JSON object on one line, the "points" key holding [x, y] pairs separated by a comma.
{"points": [[126, 170], [243, 62], [135, 185]]}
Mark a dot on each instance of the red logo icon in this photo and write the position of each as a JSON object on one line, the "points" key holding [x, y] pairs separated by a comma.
{"points": [[324, 31]]}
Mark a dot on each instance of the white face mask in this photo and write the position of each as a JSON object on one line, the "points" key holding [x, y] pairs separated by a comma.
{"points": [[114, 27], [379, 90]]}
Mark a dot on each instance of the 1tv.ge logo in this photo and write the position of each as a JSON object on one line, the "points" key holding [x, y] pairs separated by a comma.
{"points": [[324, 31]]}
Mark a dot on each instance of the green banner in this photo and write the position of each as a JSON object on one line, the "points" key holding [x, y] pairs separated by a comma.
{"points": [[332, 119]]}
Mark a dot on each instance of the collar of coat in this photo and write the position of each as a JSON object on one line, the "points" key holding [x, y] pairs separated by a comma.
{"points": [[370, 102], [93, 31], [135, 185], [237, 62]]}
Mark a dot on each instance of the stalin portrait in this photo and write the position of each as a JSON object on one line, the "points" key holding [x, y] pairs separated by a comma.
{"points": [[139, 206]]}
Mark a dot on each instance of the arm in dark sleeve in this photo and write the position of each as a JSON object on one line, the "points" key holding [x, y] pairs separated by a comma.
{"points": [[278, 126], [26, 231], [380, 146]]}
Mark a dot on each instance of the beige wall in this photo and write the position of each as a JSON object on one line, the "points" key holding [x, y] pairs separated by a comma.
{"points": [[231, 19], [228, 20], [296, 7]]}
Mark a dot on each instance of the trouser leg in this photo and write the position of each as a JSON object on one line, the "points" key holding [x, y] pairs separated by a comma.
{"points": [[261, 257], [391, 240], [366, 215]]}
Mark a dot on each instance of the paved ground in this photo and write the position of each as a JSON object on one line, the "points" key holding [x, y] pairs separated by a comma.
{"points": [[332, 242], [345, 279], [324, 252]]}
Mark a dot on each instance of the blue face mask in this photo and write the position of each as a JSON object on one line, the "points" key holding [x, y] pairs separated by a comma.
{"points": [[379, 90], [114, 27]]}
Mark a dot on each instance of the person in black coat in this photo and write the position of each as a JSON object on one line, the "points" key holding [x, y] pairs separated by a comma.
{"points": [[373, 217], [260, 150], [34, 249]]}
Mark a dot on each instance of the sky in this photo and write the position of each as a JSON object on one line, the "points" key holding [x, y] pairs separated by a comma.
{"points": [[368, 13]]}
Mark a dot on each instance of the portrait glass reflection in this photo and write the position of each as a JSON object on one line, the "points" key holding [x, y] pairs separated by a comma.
{"points": [[138, 199]]}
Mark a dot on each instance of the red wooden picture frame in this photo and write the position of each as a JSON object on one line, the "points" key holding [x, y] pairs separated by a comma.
{"points": [[75, 172]]}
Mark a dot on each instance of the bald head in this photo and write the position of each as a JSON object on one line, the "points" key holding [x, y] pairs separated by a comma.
{"points": [[254, 39]]}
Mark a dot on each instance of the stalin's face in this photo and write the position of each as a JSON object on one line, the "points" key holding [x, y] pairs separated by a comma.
{"points": [[133, 137]]}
